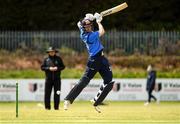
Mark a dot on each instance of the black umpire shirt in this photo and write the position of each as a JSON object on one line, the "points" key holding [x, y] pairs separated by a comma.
{"points": [[52, 61]]}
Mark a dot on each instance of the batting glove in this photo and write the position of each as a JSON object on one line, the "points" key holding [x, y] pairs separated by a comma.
{"points": [[98, 17]]}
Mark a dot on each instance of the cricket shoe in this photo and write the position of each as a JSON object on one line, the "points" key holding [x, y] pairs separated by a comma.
{"points": [[66, 104], [158, 102], [146, 104], [97, 109], [92, 101]]}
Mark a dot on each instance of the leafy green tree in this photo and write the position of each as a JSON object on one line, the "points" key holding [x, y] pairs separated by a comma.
{"points": [[64, 14]]}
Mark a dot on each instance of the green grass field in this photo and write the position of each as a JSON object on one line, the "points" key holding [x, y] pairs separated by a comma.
{"points": [[77, 73], [83, 113]]}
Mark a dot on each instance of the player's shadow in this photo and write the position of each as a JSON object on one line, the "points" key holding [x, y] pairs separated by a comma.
{"points": [[103, 104]]}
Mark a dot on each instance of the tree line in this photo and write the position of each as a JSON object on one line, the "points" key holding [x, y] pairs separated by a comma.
{"points": [[64, 14]]}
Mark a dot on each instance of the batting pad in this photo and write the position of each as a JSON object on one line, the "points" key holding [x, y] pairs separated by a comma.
{"points": [[103, 92]]}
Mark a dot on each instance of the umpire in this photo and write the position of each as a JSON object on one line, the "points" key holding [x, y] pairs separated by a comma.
{"points": [[52, 65]]}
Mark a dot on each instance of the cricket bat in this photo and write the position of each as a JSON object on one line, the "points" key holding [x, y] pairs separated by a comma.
{"points": [[114, 9]]}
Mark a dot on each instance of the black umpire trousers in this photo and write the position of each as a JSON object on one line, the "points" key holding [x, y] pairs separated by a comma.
{"points": [[49, 85]]}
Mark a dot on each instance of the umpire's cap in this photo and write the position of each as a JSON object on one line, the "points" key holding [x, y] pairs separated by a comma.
{"points": [[50, 49]]}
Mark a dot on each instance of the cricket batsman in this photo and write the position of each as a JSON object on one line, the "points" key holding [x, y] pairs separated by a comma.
{"points": [[97, 62]]}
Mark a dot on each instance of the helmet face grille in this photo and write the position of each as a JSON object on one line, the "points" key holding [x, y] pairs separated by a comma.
{"points": [[86, 23]]}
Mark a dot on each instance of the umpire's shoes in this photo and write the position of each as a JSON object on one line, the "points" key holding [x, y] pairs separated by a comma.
{"points": [[66, 104]]}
